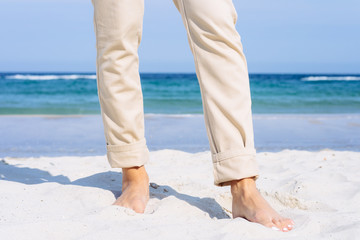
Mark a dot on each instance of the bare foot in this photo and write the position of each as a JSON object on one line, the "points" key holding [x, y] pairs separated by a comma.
{"points": [[249, 204], [135, 189]]}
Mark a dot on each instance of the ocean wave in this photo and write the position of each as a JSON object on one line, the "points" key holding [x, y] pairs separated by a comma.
{"points": [[49, 77], [331, 78]]}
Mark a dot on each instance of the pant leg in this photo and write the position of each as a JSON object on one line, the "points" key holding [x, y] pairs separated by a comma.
{"points": [[118, 30], [221, 69]]}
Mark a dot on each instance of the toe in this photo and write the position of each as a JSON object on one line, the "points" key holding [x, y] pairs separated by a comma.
{"points": [[286, 224], [277, 223], [275, 228], [272, 224], [281, 225]]}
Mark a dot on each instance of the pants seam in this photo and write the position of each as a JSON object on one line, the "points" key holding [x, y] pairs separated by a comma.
{"points": [[217, 160], [136, 146], [199, 72], [127, 151], [98, 72]]}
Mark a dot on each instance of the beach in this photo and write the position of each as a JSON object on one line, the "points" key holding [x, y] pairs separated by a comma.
{"points": [[71, 197], [79, 77], [56, 183]]}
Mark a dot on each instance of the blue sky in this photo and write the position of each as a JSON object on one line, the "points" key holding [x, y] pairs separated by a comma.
{"points": [[279, 36]]}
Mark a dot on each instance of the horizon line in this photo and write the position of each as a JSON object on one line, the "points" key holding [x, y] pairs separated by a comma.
{"points": [[145, 72]]}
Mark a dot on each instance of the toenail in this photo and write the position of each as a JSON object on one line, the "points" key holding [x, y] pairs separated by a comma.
{"points": [[290, 226], [285, 229], [275, 228]]}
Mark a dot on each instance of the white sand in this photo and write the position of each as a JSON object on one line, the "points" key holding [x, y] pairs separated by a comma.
{"points": [[71, 197]]}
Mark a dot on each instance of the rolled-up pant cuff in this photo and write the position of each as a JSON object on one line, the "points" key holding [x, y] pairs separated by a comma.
{"points": [[234, 165], [129, 155]]}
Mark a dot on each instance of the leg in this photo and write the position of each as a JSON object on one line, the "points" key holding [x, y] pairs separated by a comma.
{"points": [[224, 82], [118, 30]]}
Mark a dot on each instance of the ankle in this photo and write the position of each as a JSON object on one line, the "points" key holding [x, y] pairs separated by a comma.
{"points": [[243, 186], [134, 174]]}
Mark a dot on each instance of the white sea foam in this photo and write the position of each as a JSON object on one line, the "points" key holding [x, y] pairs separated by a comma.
{"points": [[331, 78], [50, 77]]}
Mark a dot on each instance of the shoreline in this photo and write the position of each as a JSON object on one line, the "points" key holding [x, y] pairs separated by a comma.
{"points": [[83, 135]]}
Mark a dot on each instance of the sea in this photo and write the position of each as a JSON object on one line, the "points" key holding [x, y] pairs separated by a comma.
{"points": [[58, 114], [178, 93]]}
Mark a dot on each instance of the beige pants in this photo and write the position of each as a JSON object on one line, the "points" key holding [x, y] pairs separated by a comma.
{"points": [[221, 69]]}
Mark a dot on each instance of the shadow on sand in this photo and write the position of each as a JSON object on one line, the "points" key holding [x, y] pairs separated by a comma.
{"points": [[110, 181]]}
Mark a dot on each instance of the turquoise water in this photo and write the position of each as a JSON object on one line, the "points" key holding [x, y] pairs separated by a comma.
{"points": [[76, 93]]}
